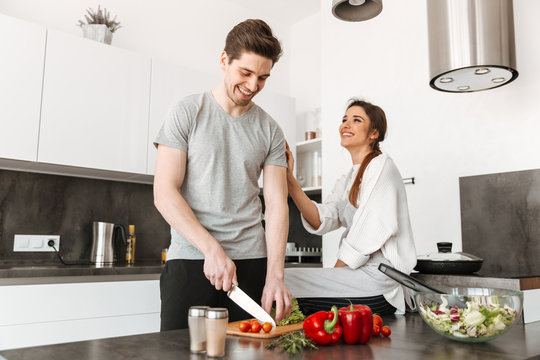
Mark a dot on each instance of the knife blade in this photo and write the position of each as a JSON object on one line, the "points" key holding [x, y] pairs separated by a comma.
{"points": [[249, 305]]}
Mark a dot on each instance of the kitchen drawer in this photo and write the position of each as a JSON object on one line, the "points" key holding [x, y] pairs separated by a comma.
{"points": [[45, 333], [32, 304]]}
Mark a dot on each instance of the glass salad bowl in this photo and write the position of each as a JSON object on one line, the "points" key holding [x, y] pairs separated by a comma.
{"points": [[470, 314]]}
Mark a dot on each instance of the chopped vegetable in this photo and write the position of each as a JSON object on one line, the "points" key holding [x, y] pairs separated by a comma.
{"points": [[296, 315], [292, 343], [267, 327], [244, 326], [480, 318], [256, 327], [377, 320]]}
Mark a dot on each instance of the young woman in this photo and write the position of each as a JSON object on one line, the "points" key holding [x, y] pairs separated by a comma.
{"points": [[371, 203]]}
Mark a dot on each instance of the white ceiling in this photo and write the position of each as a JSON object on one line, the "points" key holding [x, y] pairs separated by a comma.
{"points": [[287, 11]]}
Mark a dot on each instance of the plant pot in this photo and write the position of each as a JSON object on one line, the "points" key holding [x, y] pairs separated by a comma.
{"points": [[97, 32]]}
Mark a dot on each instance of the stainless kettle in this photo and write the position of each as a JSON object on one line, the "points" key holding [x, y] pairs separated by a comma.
{"points": [[103, 236]]}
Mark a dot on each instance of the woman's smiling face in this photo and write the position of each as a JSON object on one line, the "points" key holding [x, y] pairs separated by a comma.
{"points": [[355, 129]]}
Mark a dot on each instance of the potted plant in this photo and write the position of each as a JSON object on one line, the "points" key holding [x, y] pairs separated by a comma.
{"points": [[99, 26]]}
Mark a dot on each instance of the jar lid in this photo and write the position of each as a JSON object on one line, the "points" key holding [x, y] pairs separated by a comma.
{"points": [[198, 311], [217, 313]]}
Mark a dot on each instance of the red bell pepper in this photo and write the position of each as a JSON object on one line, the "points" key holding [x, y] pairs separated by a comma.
{"points": [[323, 327], [357, 323]]}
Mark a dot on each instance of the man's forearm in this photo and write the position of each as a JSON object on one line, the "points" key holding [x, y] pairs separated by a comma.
{"points": [[277, 229]]}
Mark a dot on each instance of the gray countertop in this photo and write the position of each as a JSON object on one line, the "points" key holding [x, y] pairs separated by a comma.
{"points": [[27, 273], [475, 280], [411, 339], [39, 274]]}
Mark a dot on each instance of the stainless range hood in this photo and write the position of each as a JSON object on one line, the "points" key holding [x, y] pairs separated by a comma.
{"points": [[471, 44]]}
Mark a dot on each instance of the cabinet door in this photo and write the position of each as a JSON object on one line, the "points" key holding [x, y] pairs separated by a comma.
{"points": [[283, 109], [171, 83], [57, 313], [95, 105], [22, 49]]}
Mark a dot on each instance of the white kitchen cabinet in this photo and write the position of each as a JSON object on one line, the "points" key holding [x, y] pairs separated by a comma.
{"points": [[56, 313], [283, 109], [309, 165], [22, 49], [171, 83], [95, 105]]}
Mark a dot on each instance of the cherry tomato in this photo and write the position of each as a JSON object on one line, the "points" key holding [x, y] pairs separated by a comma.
{"points": [[252, 321], [377, 320], [385, 330], [267, 327], [376, 330], [244, 326], [256, 327]]}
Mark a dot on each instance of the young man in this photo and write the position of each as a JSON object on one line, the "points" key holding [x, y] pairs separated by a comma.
{"points": [[211, 150]]}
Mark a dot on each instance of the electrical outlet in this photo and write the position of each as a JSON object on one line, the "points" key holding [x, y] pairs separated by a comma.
{"points": [[37, 243]]}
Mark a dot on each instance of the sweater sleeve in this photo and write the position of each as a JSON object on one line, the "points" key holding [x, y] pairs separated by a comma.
{"points": [[367, 235], [375, 220], [329, 209]]}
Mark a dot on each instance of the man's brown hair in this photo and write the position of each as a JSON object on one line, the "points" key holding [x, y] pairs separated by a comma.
{"points": [[252, 35]]}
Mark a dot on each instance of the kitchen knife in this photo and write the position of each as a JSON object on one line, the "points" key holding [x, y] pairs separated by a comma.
{"points": [[245, 302]]}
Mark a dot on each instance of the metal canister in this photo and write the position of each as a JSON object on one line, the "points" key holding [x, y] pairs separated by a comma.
{"points": [[197, 328]]}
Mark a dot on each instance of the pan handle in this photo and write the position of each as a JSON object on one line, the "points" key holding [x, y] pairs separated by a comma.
{"points": [[406, 280]]}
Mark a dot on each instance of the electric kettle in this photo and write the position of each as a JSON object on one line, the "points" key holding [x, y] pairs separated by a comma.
{"points": [[103, 236]]}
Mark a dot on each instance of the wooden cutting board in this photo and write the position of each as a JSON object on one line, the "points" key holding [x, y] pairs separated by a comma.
{"points": [[232, 329]]}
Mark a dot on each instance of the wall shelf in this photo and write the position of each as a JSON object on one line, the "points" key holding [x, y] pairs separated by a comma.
{"points": [[309, 145], [307, 165], [312, 189]]}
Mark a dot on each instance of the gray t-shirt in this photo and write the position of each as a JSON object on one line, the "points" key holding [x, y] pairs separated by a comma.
{"points": [[225, 157]]}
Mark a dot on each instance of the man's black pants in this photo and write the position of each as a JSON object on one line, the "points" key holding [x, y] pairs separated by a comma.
{"points": [[183, 284]]}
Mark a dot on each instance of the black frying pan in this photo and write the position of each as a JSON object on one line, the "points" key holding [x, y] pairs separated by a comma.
{"points": [[469, 266]]}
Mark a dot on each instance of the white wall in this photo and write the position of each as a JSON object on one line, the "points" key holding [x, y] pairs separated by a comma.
{"points": [[187, 33], [306, 68], [435, 137]]}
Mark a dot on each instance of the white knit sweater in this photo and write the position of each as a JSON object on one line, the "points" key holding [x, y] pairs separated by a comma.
{"points": [[381, 221]]}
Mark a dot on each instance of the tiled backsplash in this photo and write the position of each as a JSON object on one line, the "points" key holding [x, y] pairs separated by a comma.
{"points": [[32, 203], [500, 222]]}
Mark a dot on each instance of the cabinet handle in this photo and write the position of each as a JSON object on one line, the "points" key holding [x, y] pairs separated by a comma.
{"points": [[409, 180]]}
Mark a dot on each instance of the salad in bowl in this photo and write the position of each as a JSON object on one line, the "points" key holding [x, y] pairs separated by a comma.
{"points": [[470, 314]]}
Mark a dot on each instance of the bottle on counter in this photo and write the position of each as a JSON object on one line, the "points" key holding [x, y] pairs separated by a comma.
{"points": [[164, 255], [216, 331], [130, 249], [197, 328]]}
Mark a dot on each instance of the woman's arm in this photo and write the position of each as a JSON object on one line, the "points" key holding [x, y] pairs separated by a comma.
{"points": [[307, 208]]}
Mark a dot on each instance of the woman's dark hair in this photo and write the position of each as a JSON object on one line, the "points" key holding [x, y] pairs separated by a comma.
{"points": [[377, 121], [252, 35]]}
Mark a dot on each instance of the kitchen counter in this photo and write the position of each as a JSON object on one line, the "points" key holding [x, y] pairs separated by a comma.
{"points": [[26, 274], [49, 274], [411, 339]]}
